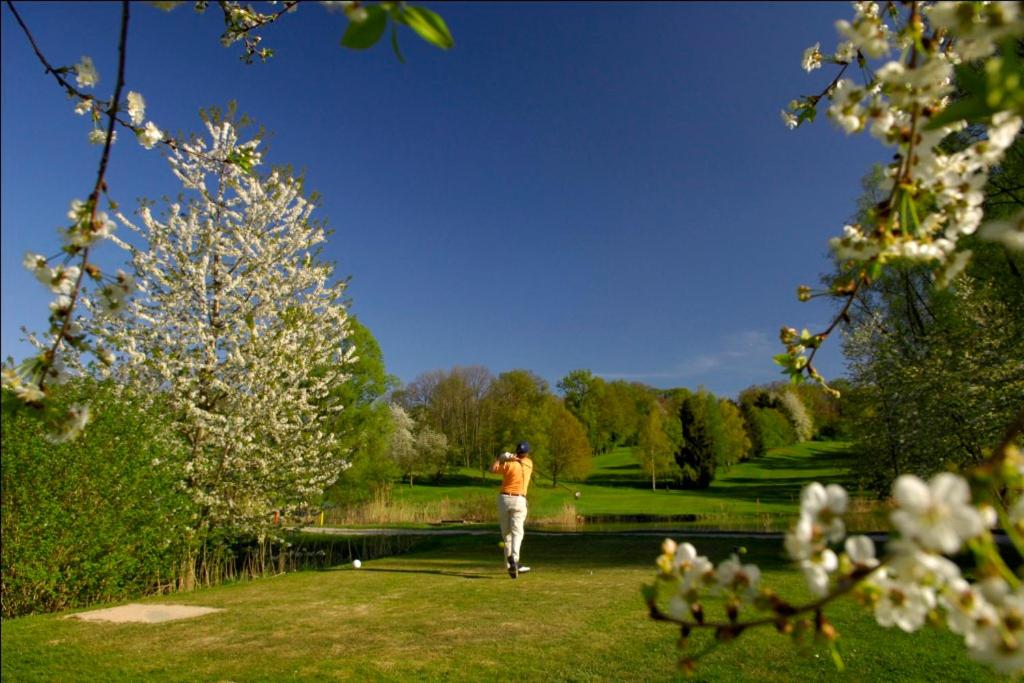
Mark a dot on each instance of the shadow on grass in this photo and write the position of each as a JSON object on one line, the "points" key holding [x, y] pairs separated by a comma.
{"points": [[478, 557], [438, 572]]}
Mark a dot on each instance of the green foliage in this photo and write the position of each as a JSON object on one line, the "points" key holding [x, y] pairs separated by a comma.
{"points": [[568, 452], [431, 451], [936, 381], [736, 443], [97, 519], [697, 458], [620, 413], [455, 403], [767, 427], [583, 394], [996, 86], [366, 29], [427, 24], [517, 404], [361, 35], [655, 446], [363, 426]]}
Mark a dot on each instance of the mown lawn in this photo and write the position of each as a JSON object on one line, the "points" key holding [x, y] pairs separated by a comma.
{"points": [[617, 486], [449, 612]]}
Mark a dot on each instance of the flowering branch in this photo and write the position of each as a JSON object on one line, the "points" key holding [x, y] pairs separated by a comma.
{"points": [[933, 198], [783, 610], [99, 186]]}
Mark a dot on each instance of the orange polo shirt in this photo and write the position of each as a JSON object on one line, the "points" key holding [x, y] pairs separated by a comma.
{"points": [[515, 475]]}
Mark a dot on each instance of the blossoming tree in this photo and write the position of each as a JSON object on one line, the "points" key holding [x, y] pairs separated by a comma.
{"points": [[932, 199], [238, 325]]}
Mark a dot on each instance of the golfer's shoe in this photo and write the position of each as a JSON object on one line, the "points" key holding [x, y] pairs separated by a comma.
{"points": [[522, 569], [513, 568]]}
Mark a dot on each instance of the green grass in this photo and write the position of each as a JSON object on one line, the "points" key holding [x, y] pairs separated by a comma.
{"points": [[757, 494], [449, 612]]}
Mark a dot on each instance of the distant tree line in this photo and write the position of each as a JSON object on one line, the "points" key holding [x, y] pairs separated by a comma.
{"points": [[463, 417]]}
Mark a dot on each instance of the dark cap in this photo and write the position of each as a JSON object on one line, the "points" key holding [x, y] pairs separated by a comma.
{"points": [[523, 448]]}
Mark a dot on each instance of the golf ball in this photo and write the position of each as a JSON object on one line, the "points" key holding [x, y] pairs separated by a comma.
{"points": [[357, 564], [577, 494]]}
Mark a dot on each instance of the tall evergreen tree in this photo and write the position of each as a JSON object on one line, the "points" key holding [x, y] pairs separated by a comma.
{"points": [[696, 457]]}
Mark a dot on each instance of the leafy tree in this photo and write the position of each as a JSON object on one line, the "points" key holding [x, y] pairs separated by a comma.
{"points": [[619, 414], [583, 393], [517, 402], [735, 442], [567, 452], [431, 451], [363, 428], [452, 402], [654, 446], [936, 371]]}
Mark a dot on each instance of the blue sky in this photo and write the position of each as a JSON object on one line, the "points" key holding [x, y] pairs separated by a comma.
{"points": [[603, 186]]}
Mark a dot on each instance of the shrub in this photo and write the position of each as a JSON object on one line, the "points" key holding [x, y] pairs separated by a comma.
{"points": [[93, 520]]}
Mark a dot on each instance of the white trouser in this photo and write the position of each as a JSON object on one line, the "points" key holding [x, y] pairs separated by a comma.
{"points": [[512, 516]]}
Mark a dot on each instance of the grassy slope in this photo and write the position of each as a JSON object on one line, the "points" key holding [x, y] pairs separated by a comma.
{"points": [[617, 486], [451, 613]]}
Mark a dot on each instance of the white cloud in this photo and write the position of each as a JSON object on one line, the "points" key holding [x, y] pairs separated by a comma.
{"points": [[745, 352]]}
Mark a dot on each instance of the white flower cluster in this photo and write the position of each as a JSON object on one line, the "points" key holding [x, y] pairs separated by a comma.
{"points": [[148, 135], [915, 584], [66, 282], [918, 580], [935, 196], [88, 225], [696, 576]]}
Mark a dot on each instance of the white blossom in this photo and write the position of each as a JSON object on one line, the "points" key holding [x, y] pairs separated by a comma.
{"points": [[845, 52], [74, 421], [997, 637], [812, 58], [136, 107], [937, 515], [150, 135], [99, 137], [902, 604], [34, 262], [861, 551], [825, 506], [817, 569], [28, 392], [85, 73], [737, 578]]}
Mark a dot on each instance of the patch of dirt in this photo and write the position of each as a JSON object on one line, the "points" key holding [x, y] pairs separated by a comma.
{"points": [[144, 614]]}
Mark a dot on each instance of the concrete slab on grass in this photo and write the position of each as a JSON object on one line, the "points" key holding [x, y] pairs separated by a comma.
{"points": [[144, 614]]}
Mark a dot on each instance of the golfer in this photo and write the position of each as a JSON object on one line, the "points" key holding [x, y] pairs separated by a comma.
{"points": [[515, 471]]}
